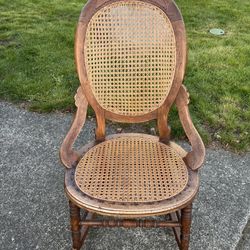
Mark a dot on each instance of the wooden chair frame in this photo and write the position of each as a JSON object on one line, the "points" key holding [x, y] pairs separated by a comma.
{"points": [[180, 215]]}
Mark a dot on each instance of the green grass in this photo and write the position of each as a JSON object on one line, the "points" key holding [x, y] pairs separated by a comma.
{"points": [[37, 62]]}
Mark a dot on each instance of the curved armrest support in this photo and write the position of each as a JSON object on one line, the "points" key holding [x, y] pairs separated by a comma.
{"points": [[195, 157], [68, 156]]}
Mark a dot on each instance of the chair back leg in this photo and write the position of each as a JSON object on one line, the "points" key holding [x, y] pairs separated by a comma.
{"points": [[186, 219], [75, 225]]}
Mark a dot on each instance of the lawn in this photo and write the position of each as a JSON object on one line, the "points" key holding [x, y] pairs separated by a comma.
{"points": [[37, 62]]}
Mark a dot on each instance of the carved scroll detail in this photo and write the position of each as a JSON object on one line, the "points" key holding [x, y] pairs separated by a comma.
{"points": [[194, 158], [182, 98], [79, 96], [68, 156]]}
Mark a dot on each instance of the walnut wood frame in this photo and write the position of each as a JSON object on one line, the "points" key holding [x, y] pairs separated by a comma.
{"points": [[180, 207], [175, 18]]}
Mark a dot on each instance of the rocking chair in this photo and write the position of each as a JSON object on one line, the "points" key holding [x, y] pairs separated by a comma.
{"points": [[130, 57]]}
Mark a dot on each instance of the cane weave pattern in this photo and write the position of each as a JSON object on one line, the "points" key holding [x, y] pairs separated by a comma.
{"points": [[130, 57], [131, 169]]}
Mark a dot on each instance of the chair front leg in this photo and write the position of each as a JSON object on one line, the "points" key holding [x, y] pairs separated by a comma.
{"points": [[186, 219], [75, 225]]}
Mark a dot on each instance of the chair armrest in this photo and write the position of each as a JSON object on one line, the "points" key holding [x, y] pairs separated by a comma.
{"points": [[68, 156], [195, 157]]}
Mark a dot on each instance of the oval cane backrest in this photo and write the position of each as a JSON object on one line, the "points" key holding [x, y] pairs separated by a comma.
{"points": [[128, 57]]}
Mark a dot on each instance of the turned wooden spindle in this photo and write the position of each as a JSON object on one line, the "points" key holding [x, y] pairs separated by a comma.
{"points": [[186, 218], [75, 225]]}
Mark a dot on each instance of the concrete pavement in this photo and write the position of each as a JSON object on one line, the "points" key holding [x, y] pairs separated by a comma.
{"points": [[34, 210]]}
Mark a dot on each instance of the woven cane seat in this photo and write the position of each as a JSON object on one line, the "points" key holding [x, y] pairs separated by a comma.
{"points": [[131, 169]]}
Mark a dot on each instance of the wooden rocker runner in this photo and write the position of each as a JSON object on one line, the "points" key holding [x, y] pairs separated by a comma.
{"points": [[130, 57]]}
